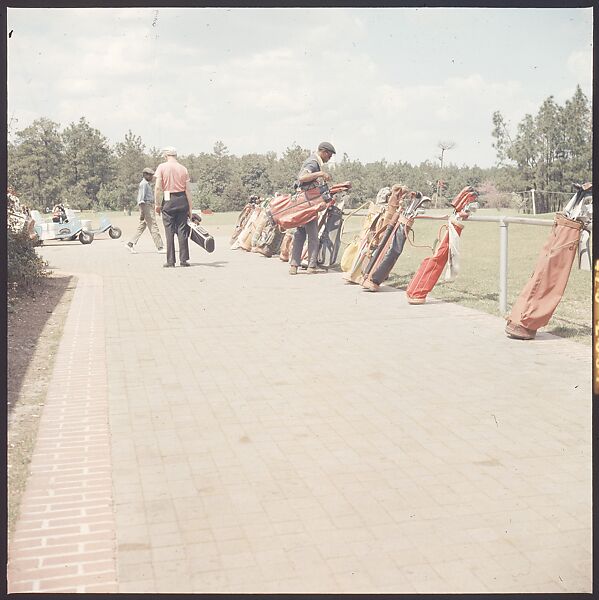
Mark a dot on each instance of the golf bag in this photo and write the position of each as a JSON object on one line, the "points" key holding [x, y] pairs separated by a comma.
{"points": [[270, 239], [296, 210], [392, 242], [248, 229], [580, 208], [261, 222], [199, 235], [352, 250], [330, 237], [430, 268], [584, 251], [286, 245], [356, 252], [373, 236], [538, 300], [389, 250], [243, 217]]}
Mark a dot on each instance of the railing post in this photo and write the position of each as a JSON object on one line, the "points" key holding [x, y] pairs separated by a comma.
{"points": [[503, 239]]}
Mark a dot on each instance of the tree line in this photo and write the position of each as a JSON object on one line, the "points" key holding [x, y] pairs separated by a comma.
{"points": [[79, 166]]}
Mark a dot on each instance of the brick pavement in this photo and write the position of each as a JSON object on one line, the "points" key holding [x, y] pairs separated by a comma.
{"points": [[254, 450], [64, 539]]}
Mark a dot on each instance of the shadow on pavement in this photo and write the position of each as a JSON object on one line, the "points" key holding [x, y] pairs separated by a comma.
{"points": [[62, 244], [26, 321], [572, 330], [217, 264]]}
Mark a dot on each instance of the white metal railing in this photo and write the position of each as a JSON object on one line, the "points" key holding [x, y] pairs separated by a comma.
{"points": [[503, 244], [504, 222]]}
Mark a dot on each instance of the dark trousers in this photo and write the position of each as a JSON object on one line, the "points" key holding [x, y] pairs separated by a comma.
{"points": [[174, 218], [309, 230]]}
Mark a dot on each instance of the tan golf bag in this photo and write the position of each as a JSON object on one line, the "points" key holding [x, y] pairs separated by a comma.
{"points": [[286, 245], [374, 234], [544, 290]]}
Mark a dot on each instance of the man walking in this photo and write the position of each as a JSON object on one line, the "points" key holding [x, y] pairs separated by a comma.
{"points": [[145, 200], [172, 180], [310, 175]]}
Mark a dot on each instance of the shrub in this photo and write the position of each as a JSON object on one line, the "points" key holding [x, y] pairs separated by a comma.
{"points": [[25, 267]]}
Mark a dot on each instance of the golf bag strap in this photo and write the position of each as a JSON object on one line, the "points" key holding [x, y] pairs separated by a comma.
{"points": [[407, 221], [561, 219]]}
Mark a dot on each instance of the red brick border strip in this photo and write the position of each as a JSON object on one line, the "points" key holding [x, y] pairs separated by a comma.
{"points": [[64, 540]]}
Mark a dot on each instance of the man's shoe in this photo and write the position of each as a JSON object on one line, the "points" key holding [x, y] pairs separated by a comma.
{"points": [[415, 300], [313, 270], [292, 270], [185, 264], [519, 332], [131, 248], [168, 266]]}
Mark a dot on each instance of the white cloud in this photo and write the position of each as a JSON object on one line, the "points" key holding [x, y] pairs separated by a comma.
{"points": [[258, 80], [580, 64], [389, 99], [76, 87]]}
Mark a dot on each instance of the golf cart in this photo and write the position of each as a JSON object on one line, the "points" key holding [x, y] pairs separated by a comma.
{"points": [[105, 225], [69, 229]]}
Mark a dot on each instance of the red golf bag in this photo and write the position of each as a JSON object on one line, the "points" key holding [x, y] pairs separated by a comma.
{"points": [[298, 209], [430, 269]]}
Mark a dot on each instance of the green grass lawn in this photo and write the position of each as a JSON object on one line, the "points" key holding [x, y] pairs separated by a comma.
{"points": [[477, 285]]}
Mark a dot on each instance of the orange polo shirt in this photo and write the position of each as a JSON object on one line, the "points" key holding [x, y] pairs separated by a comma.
{"points": [[172, 176]]}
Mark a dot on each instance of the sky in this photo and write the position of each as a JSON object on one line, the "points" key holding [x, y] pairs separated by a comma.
{"points": [[379, 83]]}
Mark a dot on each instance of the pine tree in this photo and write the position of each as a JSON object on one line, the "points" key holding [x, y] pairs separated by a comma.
{"points": [[89, 163], [36, 163]]}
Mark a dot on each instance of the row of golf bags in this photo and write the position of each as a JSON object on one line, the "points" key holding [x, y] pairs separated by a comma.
{"points": [[266, 226], [372, 254]]}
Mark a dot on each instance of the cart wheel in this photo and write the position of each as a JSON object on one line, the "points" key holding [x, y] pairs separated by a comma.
{"points": [[114, 233], [86, 237]]}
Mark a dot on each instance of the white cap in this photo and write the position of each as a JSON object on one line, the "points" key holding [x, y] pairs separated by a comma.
{"points": [[169, 151]]}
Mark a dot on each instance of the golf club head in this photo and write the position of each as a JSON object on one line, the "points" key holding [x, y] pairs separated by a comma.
{"points": [[411, 203], [586, 212], [471, 208], [575, 206], [417, 201]]}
